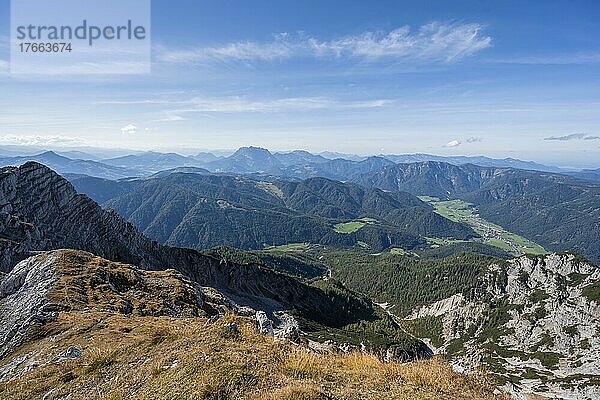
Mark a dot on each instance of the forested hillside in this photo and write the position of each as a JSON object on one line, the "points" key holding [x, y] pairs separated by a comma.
{"points": [[203, 211]]}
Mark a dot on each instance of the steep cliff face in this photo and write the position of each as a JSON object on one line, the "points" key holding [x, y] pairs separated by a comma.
{"points": [[538, 329], [40, 210], [56, 216]]}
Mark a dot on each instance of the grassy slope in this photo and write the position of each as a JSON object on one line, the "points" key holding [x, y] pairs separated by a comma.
{"points": [[159, 357], [348, 227]]}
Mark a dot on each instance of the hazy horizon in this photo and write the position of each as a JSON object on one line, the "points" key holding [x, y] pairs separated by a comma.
{"points": [[112, 152]]}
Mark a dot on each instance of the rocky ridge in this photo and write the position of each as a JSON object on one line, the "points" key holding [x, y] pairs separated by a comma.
{"points": [[79, 326], [41, 287]]}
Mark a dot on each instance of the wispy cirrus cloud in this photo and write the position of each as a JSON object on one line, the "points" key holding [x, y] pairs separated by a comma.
{"points": [[433, 42], [573, 136], [555, 59], [244, 105], [241, 104]]}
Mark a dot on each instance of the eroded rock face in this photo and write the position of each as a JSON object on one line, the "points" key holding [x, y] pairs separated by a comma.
{"points": [[40, 210], [538, 327], [24, 297], [17, 238]]}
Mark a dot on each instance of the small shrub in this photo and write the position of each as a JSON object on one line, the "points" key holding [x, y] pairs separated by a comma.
{"points": [[570, 330]]}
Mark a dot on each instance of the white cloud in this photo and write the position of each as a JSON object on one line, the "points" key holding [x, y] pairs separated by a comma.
{"points": [[433, 42], [474, 139], [40, 140], [452, 143], [238, 104], [135, 102], [171, 116], [573, 136], [129, 129]]}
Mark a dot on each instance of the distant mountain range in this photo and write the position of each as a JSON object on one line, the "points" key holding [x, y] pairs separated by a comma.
{"points": [[587, 174], [151, 162], [476, 160], [558, 211], [66, 165], [298, 164]]}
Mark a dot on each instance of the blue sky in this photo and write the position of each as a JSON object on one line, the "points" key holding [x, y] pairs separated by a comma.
{"points": [[503, 79]]}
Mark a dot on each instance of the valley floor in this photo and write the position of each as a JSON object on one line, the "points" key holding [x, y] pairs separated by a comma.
{"points": [[491, 234]]}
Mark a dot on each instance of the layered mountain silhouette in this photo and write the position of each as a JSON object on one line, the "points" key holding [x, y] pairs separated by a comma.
{"points": [[66, 165], [151, 161], [255, 160]]}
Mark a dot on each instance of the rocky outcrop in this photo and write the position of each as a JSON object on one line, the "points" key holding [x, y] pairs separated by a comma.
{"points": [[24, 298], [265, 325], [439, 307], [17, 237], [42, 286], [50, 214], [537, 328], [285, 326]]}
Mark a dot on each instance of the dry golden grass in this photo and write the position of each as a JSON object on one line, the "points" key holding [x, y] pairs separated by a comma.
{"points": [[143, 357], [89, 281]]}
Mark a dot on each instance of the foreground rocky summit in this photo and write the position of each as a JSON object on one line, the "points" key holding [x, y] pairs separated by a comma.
{"points": [[39, 288], [77, 326], [535, 325]]}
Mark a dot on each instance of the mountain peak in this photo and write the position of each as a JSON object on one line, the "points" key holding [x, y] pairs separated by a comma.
{"points": [[249, 160], [252, 150], [50, 155]]}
